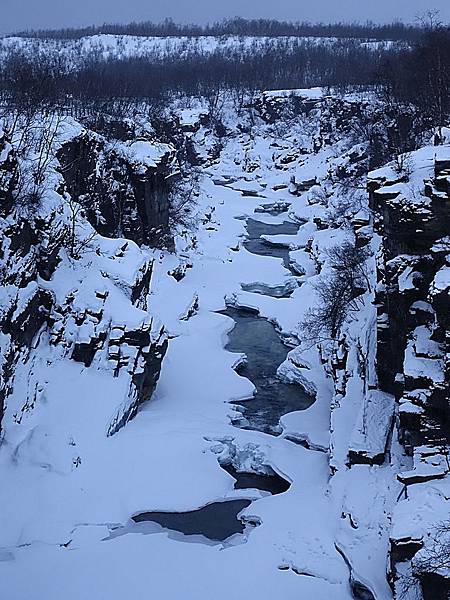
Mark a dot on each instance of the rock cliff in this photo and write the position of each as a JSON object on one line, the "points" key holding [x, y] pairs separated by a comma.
{"points": [[104, 199], [412, 209]]}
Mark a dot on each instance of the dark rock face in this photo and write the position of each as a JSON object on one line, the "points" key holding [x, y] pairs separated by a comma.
{"points": [[8, 176], [414, 328], [24, 324], [373, 129], [149, 352], [21, 325], [435, 587], [407, 231], [394, 309], [29, 251], [412, 258], [272, 108], [121, 197], [141, 287]]}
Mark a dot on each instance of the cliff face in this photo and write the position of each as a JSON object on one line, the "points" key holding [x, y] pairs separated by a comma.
{"points": [[123, 187], [92, 308], [413, 218], [389, 368]]}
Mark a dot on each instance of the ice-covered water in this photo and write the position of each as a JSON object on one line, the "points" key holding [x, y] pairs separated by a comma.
{"points": [[255, 244]]}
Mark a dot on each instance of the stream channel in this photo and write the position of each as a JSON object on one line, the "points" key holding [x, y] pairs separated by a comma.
{"points": [[257, 338]]}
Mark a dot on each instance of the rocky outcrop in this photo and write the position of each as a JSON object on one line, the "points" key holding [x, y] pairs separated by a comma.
{"points": [[413, 218], [273, 106], [93, 309], [30, 252], [8, 174], [123, 187], [140, 352], [372, 429]]}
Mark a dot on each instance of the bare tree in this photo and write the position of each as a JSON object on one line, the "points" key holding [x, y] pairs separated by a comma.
{"points": [[432, 561], [430, 19], [435, 558], [339, 292], [183, 198], [348, 201], [349, 262], [33, 141], [77, 239]]}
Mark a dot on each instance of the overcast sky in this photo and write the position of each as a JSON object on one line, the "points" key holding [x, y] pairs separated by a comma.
{"points": [[22, 14]]}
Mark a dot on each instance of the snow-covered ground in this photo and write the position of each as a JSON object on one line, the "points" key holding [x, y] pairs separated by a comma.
{"points": [[66, 486], [109, 46]]}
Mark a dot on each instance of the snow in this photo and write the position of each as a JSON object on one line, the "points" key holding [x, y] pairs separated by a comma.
{"points": [[161, 460], [108, 46], [423, 306], [366, 496], [312, 425], [149, 154], [308, 94], [429, 462], [441, 282], [424, 345], [406, 279], [426, 506], [417, 367], [70, 485], [191, 116], [302, 262], [6, 149], [408, 407], [407, 184], [373, 425]]}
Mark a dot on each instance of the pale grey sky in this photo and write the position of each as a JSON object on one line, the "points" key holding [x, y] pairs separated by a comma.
{"points": [[23, 14]]}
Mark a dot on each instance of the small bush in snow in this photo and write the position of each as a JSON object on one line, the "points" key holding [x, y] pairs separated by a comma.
{"points": [[338, 292]]}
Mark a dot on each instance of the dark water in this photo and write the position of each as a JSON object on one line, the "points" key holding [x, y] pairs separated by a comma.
{"points": [[271, 482], [257, 338], [256, 245], [217, 521]]}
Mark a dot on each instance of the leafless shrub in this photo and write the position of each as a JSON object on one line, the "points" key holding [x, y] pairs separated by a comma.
{"points": [[347, 202], [183, 199], [435, 558], [34, 144], [318, 195], [432, 561], [339, 292], [77, 238], [403, 165]]}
